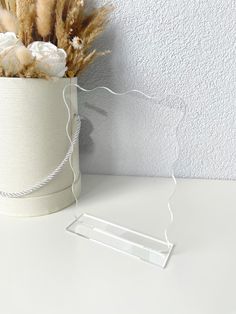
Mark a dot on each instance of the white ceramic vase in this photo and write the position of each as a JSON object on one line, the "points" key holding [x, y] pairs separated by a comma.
{"points": [[33, 142]]}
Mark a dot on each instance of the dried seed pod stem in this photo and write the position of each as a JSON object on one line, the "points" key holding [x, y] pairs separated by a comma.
{"points": [[74, 17]]}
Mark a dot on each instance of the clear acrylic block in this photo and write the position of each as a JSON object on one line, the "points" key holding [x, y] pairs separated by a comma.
{"points": [[122, 239]]}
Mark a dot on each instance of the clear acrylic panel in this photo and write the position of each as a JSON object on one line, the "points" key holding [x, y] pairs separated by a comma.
{"points": [[133, 220], [204, 228]]}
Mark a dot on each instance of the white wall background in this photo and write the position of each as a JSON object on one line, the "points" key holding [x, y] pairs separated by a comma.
{"points": [[179, 47]]}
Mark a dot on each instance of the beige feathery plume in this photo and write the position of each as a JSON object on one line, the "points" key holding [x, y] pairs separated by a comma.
{"points": [[24, 56], [82, 36], [30, 71], [18, 62], [94, 24], [20, 16], [44, 10], [15, 60], [25, 12], [80, 62], [89, 59], [60, 32], [9, 62], [10, 5], [8, 21], [20, 9], [3, 4]]}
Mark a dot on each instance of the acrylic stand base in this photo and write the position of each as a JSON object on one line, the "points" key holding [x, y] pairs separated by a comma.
{"points": [[122, 239]]}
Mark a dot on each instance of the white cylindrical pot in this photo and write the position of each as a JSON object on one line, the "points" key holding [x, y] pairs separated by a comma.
{"points": [[33, 142]]}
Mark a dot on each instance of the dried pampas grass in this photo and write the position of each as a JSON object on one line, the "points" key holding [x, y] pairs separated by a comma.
{"points": [[60, 32], [64, 23], [94, 24], [9, 5], [74, 18], [8, 21], [44, 10], [18, 62], [25, 12]]}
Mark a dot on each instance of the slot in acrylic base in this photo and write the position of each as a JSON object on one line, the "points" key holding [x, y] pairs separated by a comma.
{"points": [[119, 238]]}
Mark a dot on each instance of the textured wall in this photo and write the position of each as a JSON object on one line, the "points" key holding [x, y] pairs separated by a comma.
{"points": [[184, 48]]}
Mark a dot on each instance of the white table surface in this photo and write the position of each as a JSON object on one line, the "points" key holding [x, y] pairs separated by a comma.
{"points": [[47, 270]]}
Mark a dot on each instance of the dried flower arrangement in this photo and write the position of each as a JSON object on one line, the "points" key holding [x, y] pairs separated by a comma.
{"points": [[48, 38]]}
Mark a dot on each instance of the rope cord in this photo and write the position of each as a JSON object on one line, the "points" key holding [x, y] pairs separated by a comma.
{"points": [[56, 171]]}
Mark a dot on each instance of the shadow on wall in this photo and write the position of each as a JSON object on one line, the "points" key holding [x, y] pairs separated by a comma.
{"points": [[86, 141]]}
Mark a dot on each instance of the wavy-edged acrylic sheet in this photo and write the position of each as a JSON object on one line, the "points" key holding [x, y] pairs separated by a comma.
{"points": [[115, 128]]}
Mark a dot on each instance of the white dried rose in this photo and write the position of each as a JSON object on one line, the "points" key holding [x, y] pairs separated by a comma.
{"points": [[8, 40], [50, 59]]}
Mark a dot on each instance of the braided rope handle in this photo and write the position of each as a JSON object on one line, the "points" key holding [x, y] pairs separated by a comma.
{"points": [[52, 175]]}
